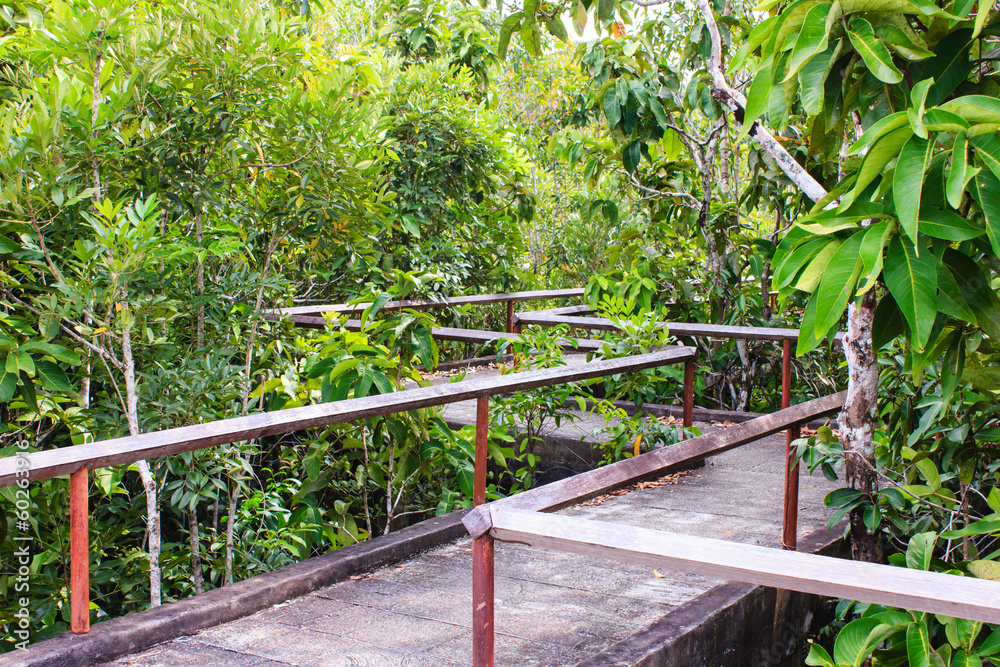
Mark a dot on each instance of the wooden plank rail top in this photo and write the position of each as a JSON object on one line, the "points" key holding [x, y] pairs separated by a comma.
{"points": [[447, 302], [586, 485], [129, 449], [934, 592], [450, 333], [544, 318]]}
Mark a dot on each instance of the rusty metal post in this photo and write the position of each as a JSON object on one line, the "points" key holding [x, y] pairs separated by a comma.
{"points": [[510, 316], [688, 393], [482, 553], [789, 530], [79, 553]]}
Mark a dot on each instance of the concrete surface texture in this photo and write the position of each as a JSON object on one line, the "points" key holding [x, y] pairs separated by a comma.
{"points": [[552, 608]]}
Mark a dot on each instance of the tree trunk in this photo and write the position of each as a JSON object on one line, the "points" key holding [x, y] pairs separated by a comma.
{"points": [[230, 527], [857, 419], [196, 575], [199, 279], [148, 482]]}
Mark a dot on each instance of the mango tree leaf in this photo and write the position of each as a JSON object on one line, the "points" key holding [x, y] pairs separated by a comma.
{"points": [[908, 182], [985, 569], [852, 640], [947, 225], [912, 281], [812, 78], [530, 34], [52, 377], [901, 43], [879, 129], [975, 108], [612, 110], [871, 253], [872, 51], [920, 550], [958, 177], [812, 37], [988, 150], [810, 276], [949, 67], [950, 299], [510, 24], [988, 191], [915, 113], [838, 283], [580, 18], [605, 10], [757, 98], [557, 28], [882, 153], [8, 385], [918, 647], [818, 657]]}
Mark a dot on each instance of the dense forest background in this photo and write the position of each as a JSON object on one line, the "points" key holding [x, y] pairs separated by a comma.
{"points": [[172, 171]]}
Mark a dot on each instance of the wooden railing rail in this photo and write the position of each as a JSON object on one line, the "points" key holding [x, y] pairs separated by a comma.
{"points": [[695, 330], [510, 298], [934, 592], [450, 333], [77, 460], [522, 508]]}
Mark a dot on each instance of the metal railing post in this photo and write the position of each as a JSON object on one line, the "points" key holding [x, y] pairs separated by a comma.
{"points": [[482, 553], [79, 553], [510, 316], [688, 393], [789, 531]]}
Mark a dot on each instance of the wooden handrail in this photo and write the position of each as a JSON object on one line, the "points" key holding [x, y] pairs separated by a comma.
{"points": [[129, 449], [545, 318], [446, 302], [934, 592]]}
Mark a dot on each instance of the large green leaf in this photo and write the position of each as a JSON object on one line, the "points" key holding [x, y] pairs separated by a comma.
{"points": [[788, 269], [884, 151], [758, 96], [8, 385], [871, 252], [901, 43], [813, 272], [912, 281], [506, 29], [918, 645], [957, 180], [53, 378], [915, 112], [951, 302], [812, 37], [988, 150], [879, 129], [947, 225], [852, 640], [975, 108], [580, 17], [873, 51], [812, 78], [920, 551], [612, 109], [988, 194], [908, 182], [605, 10], [949, 67], [838, 282]]}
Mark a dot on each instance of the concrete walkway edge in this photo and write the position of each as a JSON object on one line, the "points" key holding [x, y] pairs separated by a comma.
{"points": [[128, 634]]}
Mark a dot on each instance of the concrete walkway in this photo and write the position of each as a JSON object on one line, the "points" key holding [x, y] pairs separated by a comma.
{"points": [[552, 608]]}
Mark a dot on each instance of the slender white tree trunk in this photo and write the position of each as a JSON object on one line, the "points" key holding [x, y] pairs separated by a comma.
{"points": [[148, 481]]}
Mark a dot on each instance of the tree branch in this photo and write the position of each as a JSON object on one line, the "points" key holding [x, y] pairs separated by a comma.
{"points": [[262, 165], [736, 102]]}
